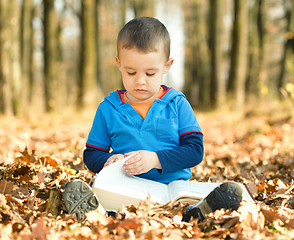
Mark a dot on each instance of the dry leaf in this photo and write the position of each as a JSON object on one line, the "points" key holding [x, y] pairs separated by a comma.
{"points": [[3, 202], [6, 187], [255, 154], [291, 223], [251, 217], [26, 157], [49, 161], [97, 218], [40, 229], [41, 177], [253, 189]]}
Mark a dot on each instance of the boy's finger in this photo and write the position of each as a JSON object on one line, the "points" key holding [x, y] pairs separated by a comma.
{"points": [[133, 159], [119, 157], [136, 171], [135, 167], [129, 153]]}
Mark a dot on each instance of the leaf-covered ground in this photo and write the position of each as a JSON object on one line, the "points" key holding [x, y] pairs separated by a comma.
{"points": [[38, 156]]}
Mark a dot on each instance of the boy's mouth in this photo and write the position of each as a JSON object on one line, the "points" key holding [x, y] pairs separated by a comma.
{"points": [[141, 90]]}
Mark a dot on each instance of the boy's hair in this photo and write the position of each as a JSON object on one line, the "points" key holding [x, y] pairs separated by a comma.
{"points": [[146, 34]]}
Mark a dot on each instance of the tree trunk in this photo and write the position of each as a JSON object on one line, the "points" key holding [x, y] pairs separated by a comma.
{"points": [[97, 40], [286, 73], [26, 54], [50, 55], [10, 71], [217, 85], [197, 67], [254, 50], [87, 82], [112, 23], [237, 75], [261, 22], [5, 84]]}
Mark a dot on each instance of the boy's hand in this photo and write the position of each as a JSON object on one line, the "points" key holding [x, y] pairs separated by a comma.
{"points": [[113, 159], [141, 162]]}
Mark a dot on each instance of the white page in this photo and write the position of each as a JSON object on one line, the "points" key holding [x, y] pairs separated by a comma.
{"points": [[114, 178], [190, 188], [198, 189]]}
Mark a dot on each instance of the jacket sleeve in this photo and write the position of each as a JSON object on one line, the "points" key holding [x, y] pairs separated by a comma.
{"points": [[187, 155], [95, 158]]}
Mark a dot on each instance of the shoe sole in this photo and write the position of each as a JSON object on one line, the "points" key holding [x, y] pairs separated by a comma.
{"points": [[79, 198]]}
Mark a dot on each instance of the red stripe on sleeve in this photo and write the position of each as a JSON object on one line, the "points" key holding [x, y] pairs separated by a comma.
{"points": [[191, 132], [102, 149]]}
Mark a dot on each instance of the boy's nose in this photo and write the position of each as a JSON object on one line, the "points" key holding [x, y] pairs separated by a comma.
{"points": [[140, 79]]}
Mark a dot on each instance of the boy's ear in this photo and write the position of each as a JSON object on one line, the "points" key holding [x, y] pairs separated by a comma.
{"points": [[168, 64], [117, 61]]}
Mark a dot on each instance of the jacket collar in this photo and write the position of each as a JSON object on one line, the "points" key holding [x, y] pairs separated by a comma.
{"points": [[115, 97]]}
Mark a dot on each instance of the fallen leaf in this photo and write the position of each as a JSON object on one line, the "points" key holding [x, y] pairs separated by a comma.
{"points": [[279, 184], [3, 202], [46, 160], [97, 218], [291, 223], [271, 214], [251, 217], [6, 231], [26, 157], [40, 229], [253, 189], [6, 187], [41, 177]]}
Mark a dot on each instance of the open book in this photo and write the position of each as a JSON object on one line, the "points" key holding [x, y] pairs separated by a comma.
{"points": [[116, 189]]}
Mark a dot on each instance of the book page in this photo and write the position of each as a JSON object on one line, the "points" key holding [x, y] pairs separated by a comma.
{"points": [[198, 189], [190, 188], [113, 178]]}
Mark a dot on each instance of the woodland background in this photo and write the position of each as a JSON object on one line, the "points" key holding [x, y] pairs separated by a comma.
{"points": [[233, 60], [57, 54]]}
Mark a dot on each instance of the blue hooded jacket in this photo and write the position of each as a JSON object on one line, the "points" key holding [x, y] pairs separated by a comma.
{"points": [[119, 127]]}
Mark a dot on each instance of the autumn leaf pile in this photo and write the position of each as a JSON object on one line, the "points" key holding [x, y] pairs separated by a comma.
{"points": [[38, 157]]}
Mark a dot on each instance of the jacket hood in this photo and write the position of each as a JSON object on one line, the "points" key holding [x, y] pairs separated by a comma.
{"points": [[115, 97]]}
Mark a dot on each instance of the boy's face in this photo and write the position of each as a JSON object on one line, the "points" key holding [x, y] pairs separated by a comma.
{"points": [[142, 73]]}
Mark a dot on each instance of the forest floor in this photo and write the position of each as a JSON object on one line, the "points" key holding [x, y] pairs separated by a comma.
{"points": [[38, 156]]}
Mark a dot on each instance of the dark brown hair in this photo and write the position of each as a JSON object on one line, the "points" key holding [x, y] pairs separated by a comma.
{"points": [[146, 34]]}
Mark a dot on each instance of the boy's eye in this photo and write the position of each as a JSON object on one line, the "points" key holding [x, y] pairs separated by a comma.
{"points": [[149, 74], [131, 73]]}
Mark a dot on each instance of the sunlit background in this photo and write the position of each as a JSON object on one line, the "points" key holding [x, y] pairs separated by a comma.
{"points": [[59, 54]]}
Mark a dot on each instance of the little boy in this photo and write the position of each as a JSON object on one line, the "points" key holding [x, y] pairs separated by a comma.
{"points": [[147, 118]]}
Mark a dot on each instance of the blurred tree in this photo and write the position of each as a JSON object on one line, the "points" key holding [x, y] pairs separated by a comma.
{"points": [[70, 18], [286, 70], [197, 67], [10, 71], [5, 84], [237, 77], [26, 53], [87, 85], [97, 39], [50, 55], [83, 33], [111, 19], [261, 79], [255, 47], [217, 83]]}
